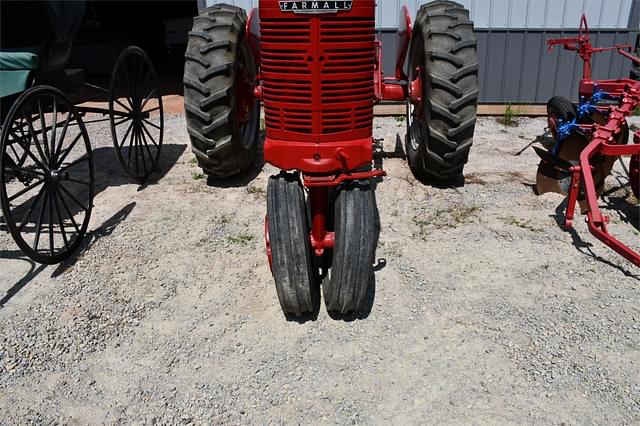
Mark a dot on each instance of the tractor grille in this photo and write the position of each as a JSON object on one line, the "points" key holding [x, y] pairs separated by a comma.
{"points": [[318, 76]]}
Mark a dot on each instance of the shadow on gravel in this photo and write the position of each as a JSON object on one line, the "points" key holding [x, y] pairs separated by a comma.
{"points": [[168, 158], [583, 246], [108, 171], [34, 270], [92, 237]]}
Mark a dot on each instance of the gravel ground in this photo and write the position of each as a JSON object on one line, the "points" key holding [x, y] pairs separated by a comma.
{"points": [[484, 310]]}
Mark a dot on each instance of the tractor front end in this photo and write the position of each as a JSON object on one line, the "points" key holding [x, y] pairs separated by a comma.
{"points": [[317, 85], [317, 62], [315, 67]]}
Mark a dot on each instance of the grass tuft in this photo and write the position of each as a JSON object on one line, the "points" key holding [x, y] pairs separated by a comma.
{"points": [[510, 117], [240, 239], [451, 217]]}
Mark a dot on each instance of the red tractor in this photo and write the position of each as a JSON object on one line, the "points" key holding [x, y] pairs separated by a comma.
{"points": [[316, 68]]}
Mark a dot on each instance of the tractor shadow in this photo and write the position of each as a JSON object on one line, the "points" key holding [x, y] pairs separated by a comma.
{"points": [[585, 247]]}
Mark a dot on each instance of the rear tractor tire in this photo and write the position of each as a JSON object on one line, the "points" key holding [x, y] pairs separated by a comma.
{"points": [[290, 246], [443, 56], [223, 116], [356, 237]]}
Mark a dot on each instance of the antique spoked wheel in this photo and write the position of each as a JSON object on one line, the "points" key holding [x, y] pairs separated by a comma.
{"points": [[135, 113], [46, 175]]}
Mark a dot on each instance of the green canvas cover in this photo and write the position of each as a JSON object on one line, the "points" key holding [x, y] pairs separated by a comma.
{"points": [[15, 70]]}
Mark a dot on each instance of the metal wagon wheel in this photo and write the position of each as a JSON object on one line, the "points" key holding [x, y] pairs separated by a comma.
{"points": [[46, 175], [136, 114]]}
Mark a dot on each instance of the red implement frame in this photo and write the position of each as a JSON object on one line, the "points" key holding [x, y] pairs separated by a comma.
{"points": [[603, 137]]}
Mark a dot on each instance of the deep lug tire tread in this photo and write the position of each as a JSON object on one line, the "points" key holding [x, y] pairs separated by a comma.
{"points": [[444, 39], [214, 44]]}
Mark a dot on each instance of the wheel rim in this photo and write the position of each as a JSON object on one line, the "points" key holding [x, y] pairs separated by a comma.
{"points": [[414, 114], [246, 107], [136, 113], [48, 195]]}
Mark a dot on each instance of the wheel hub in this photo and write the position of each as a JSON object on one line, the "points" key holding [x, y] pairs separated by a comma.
{"points": [[58, 175]]}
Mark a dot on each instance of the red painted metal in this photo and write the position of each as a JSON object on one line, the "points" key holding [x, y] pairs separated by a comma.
{"points": [[317, 73], [378, 77], [328, 157], [404, 38], [320, 238], [393, 91], [320, 76], [582, 45], [603, 139], [415, 88], [267, 241], [311, 181]]}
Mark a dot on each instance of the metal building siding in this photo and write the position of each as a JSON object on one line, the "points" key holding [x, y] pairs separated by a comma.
{"points": [[515, 66], [529, 14], [509, 13], [514, 63]]}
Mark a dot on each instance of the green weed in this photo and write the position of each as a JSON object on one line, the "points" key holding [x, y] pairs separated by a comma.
{"points": [[240, 239], [509, 119], [520, 223]]}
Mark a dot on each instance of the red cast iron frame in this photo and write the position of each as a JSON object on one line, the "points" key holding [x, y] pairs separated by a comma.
{"points": [[603, 138], [325, 159]]}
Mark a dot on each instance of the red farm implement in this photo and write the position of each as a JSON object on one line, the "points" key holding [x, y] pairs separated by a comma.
{"points": [[316, 69], [589, 137]]}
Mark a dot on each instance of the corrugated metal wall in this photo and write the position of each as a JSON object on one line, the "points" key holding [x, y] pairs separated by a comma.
{"points": [[528, 14], [514, 63], [510, 13]]}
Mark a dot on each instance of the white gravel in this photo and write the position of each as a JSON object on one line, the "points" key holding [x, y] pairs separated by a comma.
{"points": [[485, 310]]}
